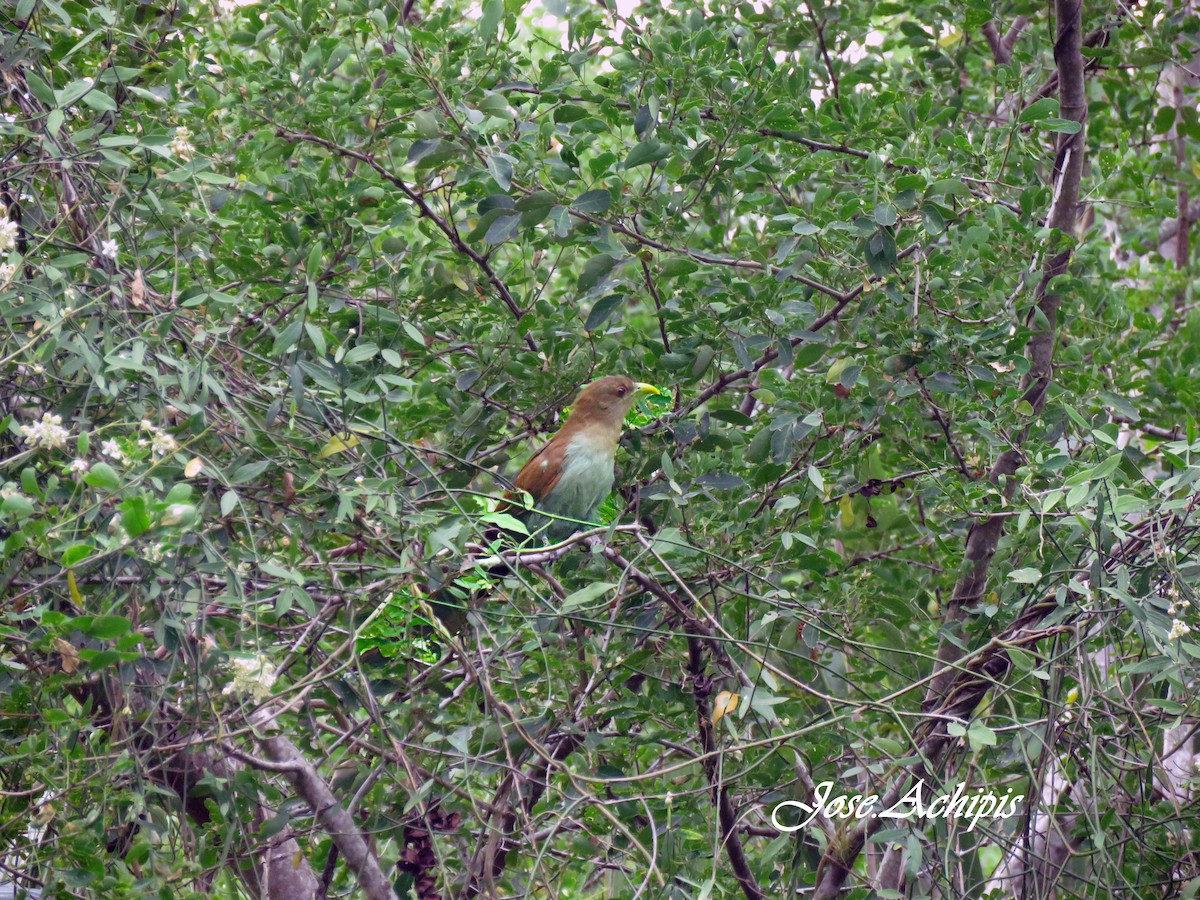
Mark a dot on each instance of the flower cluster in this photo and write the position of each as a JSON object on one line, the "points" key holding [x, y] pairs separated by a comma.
{"points": [[7, 271], [252, 675], [113, 450], [8, 232], [181, 144], [161, 443], [1178, 630], [47, 433]]}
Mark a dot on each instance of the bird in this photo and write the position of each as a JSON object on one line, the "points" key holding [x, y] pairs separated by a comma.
{"points": [[557, 493], [571, 474]]}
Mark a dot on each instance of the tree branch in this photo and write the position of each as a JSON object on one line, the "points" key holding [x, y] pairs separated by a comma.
{"points": [[338, 824], [958, 685]]}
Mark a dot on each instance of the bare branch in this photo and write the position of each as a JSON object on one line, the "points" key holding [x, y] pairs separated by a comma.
{"points": [[337, 823]]}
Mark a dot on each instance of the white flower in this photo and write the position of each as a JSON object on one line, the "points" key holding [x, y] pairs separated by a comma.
{"points": [[1178, 630], [47, 433], [358, 480], [181, 146], [8, 233], [251, 675], [108, 248], [79, 465], [163, 444], [7, 271], [113, 449]]}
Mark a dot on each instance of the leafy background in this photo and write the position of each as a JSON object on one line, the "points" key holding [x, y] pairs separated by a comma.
{"points": [[302, 282]]}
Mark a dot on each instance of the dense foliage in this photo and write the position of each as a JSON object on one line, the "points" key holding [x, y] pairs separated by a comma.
{"points": [[290, 289]]}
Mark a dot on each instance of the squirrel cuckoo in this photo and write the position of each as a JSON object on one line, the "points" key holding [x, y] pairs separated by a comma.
{"points": [[570, 476], [567, 479]]}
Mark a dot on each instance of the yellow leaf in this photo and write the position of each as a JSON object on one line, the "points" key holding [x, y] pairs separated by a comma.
{"points": [[193, 467], [834, 375], [73, 586], [339, 443], [846, 507], [724, 703], [952, 36]]}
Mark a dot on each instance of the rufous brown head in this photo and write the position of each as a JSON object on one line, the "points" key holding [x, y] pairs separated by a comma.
{"points": [[610, 398]]}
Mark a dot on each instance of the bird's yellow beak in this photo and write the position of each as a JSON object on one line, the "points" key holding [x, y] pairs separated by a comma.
{"points": [[642, 388]]}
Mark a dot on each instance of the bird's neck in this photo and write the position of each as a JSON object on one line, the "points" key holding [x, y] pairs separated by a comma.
{"points": [[598, 436]]}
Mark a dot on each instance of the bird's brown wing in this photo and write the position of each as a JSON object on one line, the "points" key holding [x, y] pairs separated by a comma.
{"points": [[538, 476]]}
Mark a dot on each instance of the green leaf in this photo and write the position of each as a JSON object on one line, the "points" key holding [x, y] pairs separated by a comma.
{"points": [[287, 338], [72, 92], [504, 227], [102, 475], [952, 187], [39, 88], [421, 149], [648, 152], [1064, 126], [732, 417], [500, 167], [76, 554], [1106, 468], [679, 267], [586, 596], [932, 218], [881, 252], [594, 270], [247, 473], [596, 201], [538, 200], [99, 101], [489, 21], [506, 521], [107, 628], [1026, 575], [601, 311], [1039, 109], [17, 504], [814, 475], [979, 735], [135, 516], [313, 266]]}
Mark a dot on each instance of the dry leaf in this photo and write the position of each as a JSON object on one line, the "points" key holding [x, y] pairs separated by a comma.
{"points": [[70, 656]]}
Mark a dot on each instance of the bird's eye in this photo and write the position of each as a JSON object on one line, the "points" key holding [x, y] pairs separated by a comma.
{"points": [[622, 391]]}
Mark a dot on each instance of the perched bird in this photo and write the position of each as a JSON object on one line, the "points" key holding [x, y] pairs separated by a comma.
{"points": [[567, 480], [570, 476]]}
